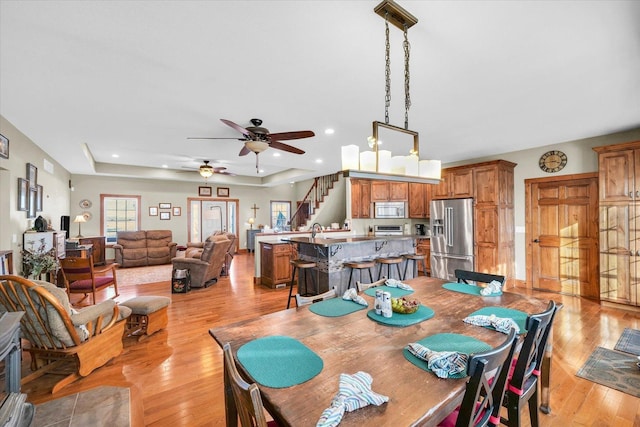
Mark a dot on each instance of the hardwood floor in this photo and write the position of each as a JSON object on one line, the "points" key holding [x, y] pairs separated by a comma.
{"points": [[175, 376]]}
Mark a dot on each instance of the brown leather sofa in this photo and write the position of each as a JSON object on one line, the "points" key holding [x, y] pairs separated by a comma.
{"points": [[204, 263], [141, 248]]}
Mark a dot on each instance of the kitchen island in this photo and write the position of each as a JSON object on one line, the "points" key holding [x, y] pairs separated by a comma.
{"points": [[330, 253]]}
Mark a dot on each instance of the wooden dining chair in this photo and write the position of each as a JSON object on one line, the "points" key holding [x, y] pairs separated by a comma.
{"points": [[486, 386], [465, 276], [241, 398], [81, 278], [361, 287], [302, 300], [522, 384]]}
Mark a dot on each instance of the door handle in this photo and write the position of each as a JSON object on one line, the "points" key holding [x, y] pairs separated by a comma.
{"points": [[536, 241]]}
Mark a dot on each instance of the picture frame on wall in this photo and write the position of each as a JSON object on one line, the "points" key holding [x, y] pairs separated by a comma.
{"points": [[33, 202], [177, 211], [165, 205], [23, 194], [165, 215], [32, 175], [4, 147], [153, 211], [223, 192], [39, 191], [204, 191]]}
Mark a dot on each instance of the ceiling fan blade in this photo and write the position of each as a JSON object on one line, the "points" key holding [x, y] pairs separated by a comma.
{"points": [[284, 147], [244, 151], [238, 128], [205, 137], [285, 136]]}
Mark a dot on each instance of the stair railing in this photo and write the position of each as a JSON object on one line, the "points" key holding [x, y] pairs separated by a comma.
{"points": [[311, 201]]}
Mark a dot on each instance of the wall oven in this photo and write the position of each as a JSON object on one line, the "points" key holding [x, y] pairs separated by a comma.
{"points": [[389, 210]]}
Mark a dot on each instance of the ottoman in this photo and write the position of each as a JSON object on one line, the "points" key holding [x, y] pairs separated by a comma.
{"points": [[148, 315]]}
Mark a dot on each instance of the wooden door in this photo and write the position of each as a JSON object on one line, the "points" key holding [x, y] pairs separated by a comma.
{"points": [[562, 234]]}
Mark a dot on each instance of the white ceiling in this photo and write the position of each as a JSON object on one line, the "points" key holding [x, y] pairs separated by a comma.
{"points": [[137, 78]]}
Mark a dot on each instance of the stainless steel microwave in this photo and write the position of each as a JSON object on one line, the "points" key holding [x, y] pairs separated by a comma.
{"points": [[390, 210]]}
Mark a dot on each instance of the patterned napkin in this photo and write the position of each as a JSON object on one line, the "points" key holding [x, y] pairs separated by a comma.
{"points": [[354, 393], [352, 295], [443, 363], [500, 324], [492, 288], [395, 283]]}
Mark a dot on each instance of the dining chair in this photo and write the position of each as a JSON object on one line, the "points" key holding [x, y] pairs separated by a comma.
{"points": [[485, 388], [80, 277], [361, 287], [241, 398], [306, 300], [522, 384], [465, 276]]}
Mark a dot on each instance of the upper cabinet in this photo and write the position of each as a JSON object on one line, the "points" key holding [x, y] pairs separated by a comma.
{"points": [[389, 191], [619, 172], [456, 183], [360, 198], [419, 199]]}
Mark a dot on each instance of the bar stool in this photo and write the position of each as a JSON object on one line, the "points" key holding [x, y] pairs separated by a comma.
{"points": [[302, 265], [389, 261], [414, 258], [359, 265]]}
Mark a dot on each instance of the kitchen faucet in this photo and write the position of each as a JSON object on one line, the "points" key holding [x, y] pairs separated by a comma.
{"points": [[314, 229]]}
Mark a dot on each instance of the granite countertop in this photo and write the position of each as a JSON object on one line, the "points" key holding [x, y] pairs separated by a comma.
{"points": [[328, 241]]}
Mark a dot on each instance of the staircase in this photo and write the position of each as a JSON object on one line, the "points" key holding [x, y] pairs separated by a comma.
{"points": [[312, 200]]}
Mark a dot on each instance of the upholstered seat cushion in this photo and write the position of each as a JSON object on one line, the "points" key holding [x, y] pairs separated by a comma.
{"points": [[146, 305]]}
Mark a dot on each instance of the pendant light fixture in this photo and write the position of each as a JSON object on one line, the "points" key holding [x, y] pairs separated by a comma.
{"points": [[380, 162]]}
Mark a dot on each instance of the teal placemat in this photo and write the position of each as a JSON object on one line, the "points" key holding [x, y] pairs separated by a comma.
{"points": [[467, 289], [399, 319], [335, 307], [395, 292], [279, 361], [447, 342], [520, 317]]}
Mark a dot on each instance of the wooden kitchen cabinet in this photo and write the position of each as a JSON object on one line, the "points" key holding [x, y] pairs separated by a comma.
{"points": [[360, 198], [98, 251], [389, 191], [456, 183], [275, 266], [419, 199], [423, 246]]}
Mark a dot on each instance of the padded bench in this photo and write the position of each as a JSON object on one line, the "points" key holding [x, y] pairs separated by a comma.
{"points": [[148, 315]]}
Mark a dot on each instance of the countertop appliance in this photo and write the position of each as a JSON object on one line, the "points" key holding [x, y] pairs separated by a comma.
{"points": [[451, 237], [388, 230], [421, 229], [389, 209]]}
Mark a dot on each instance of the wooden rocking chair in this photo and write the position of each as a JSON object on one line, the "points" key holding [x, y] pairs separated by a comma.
{"points": [[60, 337]]}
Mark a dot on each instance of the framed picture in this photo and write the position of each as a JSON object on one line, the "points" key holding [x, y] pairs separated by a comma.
{"points": [[153, 211], [4, 147], [204, 191], [223, 191], [32, 175], [23, 194], [177, 211], [39, 191], [165, 215], [33, 202], [165, 206]]}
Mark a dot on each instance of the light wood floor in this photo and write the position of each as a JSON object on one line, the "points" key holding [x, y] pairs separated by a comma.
{"points": [[175, 376]]}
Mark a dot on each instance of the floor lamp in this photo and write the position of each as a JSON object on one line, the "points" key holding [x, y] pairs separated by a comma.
{"points": [[79, 219]]}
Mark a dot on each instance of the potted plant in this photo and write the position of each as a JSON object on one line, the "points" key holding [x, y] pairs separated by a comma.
{"points": [[36, 262]]}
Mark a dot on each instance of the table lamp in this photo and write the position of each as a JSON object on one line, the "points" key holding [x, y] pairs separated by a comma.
{"points": [[251, 221], [79, 219]]}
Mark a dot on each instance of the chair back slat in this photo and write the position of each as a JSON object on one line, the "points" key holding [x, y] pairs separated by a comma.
{"points": [[301, 300], [465, 276]]}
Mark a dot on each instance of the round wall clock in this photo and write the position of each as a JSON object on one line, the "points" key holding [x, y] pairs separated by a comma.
{"points": [[552, 161], [85, 204]]}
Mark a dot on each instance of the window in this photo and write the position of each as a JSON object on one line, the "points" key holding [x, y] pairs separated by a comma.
{"points": [[280, 214], [119, 213]]}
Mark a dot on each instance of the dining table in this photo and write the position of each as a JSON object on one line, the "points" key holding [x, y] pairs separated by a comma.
{"points": [[355, 342]]}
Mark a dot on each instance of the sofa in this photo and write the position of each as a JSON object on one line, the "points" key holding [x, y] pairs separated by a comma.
{"points": [[204, 260], [141, 248]]}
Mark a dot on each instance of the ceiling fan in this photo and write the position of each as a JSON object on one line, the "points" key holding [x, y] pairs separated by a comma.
{"points": [[206, 170], [257, 139]]}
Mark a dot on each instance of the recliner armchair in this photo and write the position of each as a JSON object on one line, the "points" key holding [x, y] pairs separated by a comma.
{"points": [[205, 269]]}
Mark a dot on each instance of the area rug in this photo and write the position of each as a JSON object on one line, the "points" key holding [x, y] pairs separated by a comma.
{"points": [[629, 341], [612, 369], [142, 275]]}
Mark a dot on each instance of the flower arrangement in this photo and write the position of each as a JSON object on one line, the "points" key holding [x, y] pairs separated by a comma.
{"points": [[39, 261]]}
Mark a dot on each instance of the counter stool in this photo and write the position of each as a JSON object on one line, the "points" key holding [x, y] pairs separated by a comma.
{"points": [[389, 261], [303, 266], [414, 258], [359, 265], [148, 315]]}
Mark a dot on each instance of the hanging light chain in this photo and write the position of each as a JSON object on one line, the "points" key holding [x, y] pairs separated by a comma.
{"points": [[407, 96], [387, 70]]}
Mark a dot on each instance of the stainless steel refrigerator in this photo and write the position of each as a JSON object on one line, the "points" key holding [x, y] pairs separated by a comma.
{"points": [[451, 237]]}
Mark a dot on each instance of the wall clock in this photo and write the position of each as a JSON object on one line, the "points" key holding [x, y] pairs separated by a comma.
{"points": [[552, 161]]}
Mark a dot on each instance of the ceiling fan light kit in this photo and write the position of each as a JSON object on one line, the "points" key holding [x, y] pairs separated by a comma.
{"points": [[402, 168]]}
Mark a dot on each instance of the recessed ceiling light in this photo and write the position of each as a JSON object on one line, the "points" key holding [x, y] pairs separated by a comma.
{"points": [[165, 166], [276, 154], [318, 160], [115, 156], [329, 131], [261, 171]]}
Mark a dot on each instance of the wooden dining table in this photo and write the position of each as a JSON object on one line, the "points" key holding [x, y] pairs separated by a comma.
{"points": [[354, 342]]}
